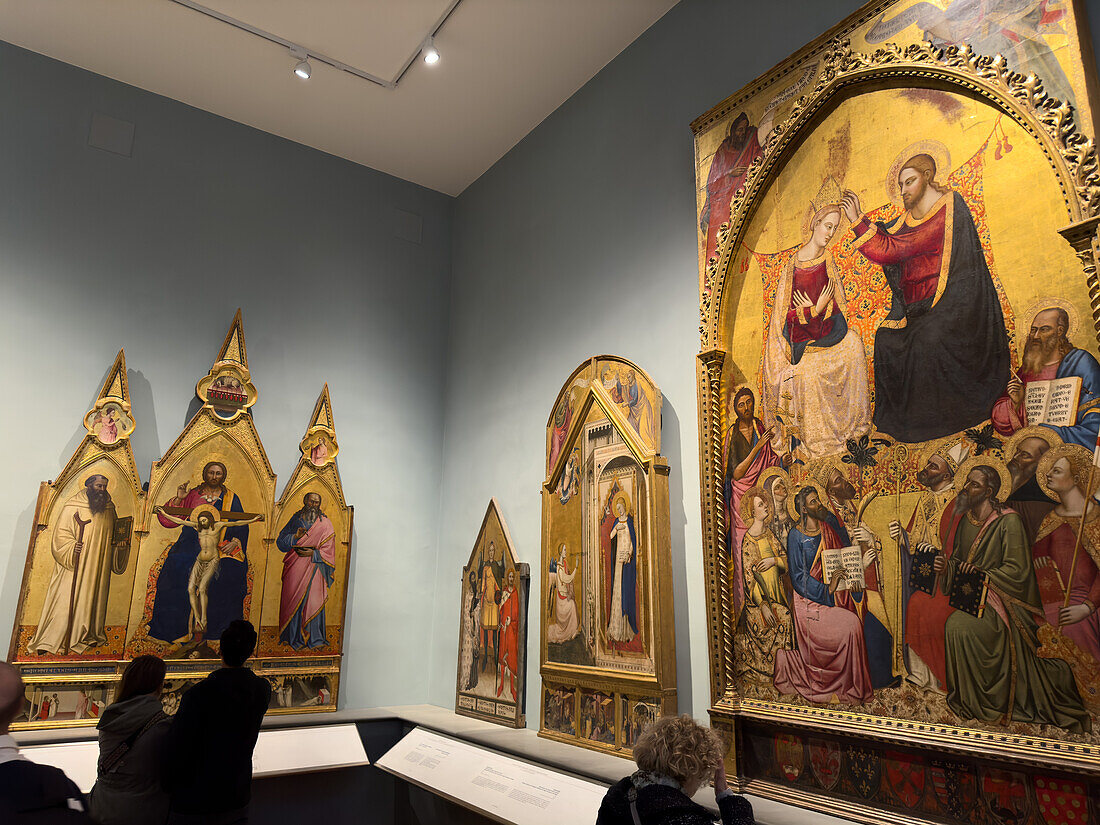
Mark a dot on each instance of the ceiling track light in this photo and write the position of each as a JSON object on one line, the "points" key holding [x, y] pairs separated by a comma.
{"points": [[430, 52], [301, 68]]}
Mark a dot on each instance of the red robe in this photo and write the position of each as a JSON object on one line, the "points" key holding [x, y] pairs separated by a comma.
{"points": [[722, 184], [1056, 541], [926, 616], [508, 654], [803, 324], [919, 252]]}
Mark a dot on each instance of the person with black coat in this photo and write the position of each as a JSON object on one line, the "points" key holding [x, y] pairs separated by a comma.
{"points": [[133, 743], [209, 768], [675, 757], [31, 794]]}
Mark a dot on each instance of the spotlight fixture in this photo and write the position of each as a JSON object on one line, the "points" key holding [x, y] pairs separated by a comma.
{"points": [[301, 68], [431, 54]]}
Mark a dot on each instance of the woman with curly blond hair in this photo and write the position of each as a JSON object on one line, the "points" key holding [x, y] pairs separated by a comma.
{"points": [[675, 756]]}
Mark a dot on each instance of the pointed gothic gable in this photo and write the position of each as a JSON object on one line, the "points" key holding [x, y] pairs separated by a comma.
{"points": [[280, 634], [50, 625], [492, 638], [606, 606]]}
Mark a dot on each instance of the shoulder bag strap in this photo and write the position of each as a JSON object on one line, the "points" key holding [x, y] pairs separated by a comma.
{"points": [[112, 760]]}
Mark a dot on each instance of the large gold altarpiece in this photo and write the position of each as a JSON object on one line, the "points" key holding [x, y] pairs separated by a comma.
{"points": [[116, 568], [899, 308]]}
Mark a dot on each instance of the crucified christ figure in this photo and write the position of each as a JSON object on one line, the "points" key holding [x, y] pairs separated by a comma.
{"points": [[206, 563]]}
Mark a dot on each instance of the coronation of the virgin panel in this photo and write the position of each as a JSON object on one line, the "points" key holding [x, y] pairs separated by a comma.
{"points": [[899, 401], [113, 572], [608, 655], [492, 638]]}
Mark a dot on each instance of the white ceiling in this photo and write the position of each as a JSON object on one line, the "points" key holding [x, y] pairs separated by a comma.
{"points": [[506, 65]]}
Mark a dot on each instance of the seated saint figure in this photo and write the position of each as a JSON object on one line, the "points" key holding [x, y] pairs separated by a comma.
{"points": [[831, 662], [766, 620], [811, 354]]}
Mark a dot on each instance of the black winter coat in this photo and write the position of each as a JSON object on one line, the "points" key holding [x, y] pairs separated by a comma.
{"points": [[664, 805]]}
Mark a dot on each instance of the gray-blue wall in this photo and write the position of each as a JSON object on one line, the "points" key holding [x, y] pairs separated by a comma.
{"points": [[443, 358], [582, 241], [155, 252]]}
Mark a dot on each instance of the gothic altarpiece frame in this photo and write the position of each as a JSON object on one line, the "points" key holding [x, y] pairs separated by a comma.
{"points": [[819, 187], [608, 659], [164, 571], [492, 636]]}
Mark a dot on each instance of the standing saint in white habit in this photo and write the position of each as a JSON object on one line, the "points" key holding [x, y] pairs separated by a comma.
{"points": [[620, 546], [75, 611], [815, 365]]}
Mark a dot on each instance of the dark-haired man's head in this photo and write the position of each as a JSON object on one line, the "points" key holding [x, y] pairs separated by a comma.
{"points": [[237, 643], [1046, 340], [840, 487], [981, 485], [98, 497], [11, 695], [808, 505]]}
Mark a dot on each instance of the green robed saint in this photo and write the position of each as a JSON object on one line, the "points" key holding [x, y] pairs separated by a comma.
{"points": [[983, 653]]}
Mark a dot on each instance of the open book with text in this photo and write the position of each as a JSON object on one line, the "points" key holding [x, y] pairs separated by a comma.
{"points": [[848, 558], [1053, 402]]}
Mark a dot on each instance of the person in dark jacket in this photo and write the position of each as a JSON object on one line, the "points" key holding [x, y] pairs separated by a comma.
{"points": [[31, 794], [133, 743], [209, 772], [675, 758]]}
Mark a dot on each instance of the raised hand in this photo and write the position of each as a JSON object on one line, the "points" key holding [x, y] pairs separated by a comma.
{"points": [[895, 530], [1015, 389], [801, 300], [850, 204]]}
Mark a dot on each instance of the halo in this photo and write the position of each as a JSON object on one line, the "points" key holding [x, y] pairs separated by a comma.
{"points": [[746, 502], [933, 148], [774, 472], [986, 460], [204, 508], [1046, 433], [625, 498], [1038, 306], [822, 497], [1079, 458]]}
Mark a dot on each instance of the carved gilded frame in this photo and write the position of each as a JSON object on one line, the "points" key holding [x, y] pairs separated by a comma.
{"points": [[1072, 158], [659, 686]]}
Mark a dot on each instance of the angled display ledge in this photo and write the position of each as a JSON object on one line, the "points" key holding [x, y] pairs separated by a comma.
{"points": [[524, 744]]}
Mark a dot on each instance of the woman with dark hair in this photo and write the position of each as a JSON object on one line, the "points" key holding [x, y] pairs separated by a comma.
{"points": [[676, 756], [133, 735]]}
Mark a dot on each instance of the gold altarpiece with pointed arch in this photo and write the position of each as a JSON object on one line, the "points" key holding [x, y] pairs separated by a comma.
{"points": [[116, 568], [608, 658], [879, 298]]}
